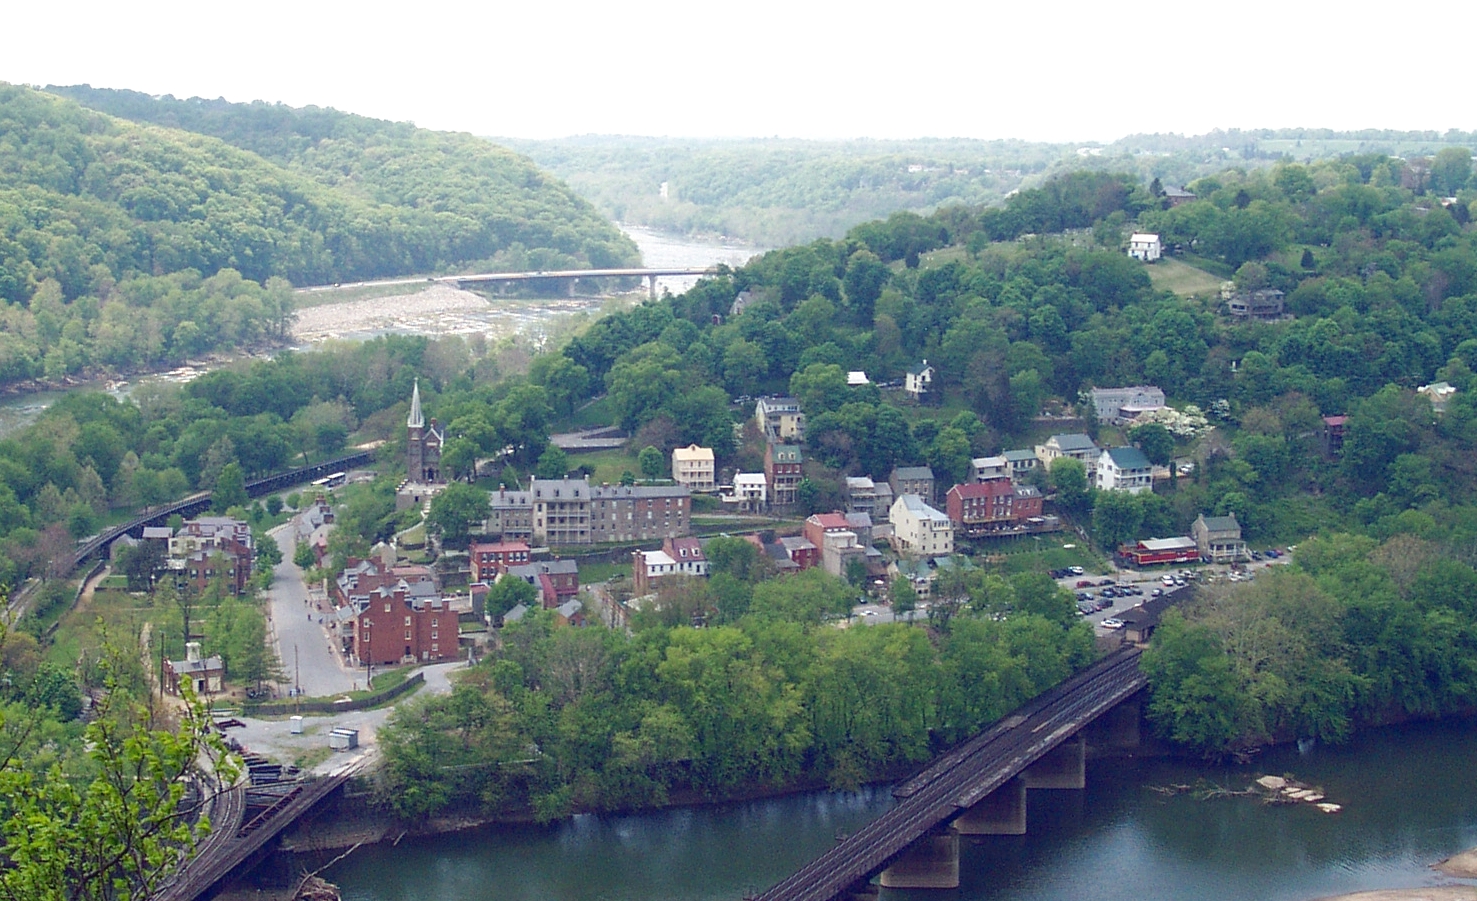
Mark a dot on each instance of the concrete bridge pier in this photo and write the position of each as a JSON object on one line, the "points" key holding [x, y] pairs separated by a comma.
{"points": [[1002, 812], [651, 285], [1064, 766], [1118, 729], [930, 862]]}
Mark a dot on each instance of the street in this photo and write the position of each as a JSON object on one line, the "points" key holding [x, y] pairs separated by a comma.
{"points": [[307, 654]]}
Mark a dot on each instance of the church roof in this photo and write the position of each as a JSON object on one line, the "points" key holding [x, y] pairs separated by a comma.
{"points": [[416, 420]]}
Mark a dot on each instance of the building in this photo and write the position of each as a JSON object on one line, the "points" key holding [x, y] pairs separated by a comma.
{"points": [[751, 491], [1124, 469], [920, 530], [492, 560], [649, 567], [393, 627], [997, 507], [422, 443], [782, 463], [571, 512], [692, 466], [780, 419], [861, 494], [1177, 196], [1114, 404], [1332, 435], [801, 551], [1218, 538], [203, 675], [918, 382], [1265, 303], [1021, 462], [557, 580], [1439, 393], [510, 515], [688, 552], [361, 579], [212, 547], [818, 525], [1144, 247], [912, 480], [1153, 551], [1078, 447], [982, 469], [857, 378]]}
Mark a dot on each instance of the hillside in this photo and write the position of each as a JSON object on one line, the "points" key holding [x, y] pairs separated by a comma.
{"points": [[126, 244]]}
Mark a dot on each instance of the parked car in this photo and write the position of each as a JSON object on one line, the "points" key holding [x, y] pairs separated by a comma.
{"points": [[1075, 570], [1106, 582], [1084, 583], [1156, 592], [1112, 623]]}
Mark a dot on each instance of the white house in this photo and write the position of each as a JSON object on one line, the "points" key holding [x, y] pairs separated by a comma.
{"points": [[919, 529], [780, 418], [1144, 247], [1124, 469], [750, 491], [1076, 446], [1113, 404], [986, 468], [919, 381]]}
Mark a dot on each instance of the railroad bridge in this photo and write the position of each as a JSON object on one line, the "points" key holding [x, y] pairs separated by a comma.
{"points": [[979, 788]]}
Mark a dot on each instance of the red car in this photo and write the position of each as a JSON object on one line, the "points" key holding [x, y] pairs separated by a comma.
{"points": [[1085, 583]]}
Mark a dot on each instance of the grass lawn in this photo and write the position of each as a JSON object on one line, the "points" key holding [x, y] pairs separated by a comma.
{"points": [[595, 414], [1040, 553], [1183, 279], [608, 464], [602, 571]]}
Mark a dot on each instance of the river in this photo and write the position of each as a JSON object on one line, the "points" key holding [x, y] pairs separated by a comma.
{"points": [[461, 313], [1409, 796]]}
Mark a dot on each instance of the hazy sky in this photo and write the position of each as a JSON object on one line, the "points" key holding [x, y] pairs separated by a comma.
{"points": [[1060, 71]]}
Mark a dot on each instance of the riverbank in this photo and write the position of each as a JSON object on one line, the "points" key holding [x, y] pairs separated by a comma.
{"points": [[1432, 893]]}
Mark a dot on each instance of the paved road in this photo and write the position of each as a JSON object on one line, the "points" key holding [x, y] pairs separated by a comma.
{"points": [[307, 654], [274, 738]]}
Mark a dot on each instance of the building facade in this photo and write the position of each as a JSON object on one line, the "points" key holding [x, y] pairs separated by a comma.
{"points": [[1219, 538], [920, 530], [912, 480], [782, 465], [1124, 469], [491, 560], [780, 419], [692, 467], [422, 443], [1112, 404], [1077, 446], [1144, 247]]}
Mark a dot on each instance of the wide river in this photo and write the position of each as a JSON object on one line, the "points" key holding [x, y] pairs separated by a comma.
{"points": [[1409, 796]]}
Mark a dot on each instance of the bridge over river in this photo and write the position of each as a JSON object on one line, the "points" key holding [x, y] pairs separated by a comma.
{"points": [[979, 788], [507, 278]]}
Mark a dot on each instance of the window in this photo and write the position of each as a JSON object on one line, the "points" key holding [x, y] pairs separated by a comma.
{"points": [[407, 635], [407, 620], [435, 634], [387, 608]]}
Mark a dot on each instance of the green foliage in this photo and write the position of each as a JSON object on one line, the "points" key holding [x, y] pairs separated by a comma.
{"points": [[456, 510], [507, 593], [652, 462]]}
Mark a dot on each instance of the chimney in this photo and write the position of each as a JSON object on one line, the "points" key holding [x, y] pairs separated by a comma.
{"points": [[192, 652]]}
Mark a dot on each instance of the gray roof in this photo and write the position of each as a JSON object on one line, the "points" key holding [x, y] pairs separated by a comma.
{"points": [[1128, 458], [1027, 491], [552, 567], [913, 472], [517, 613], [570, 608], [1221, 523], [611, 492], [1017, 456], [157, 532], [918, 508], [1075, 442]]}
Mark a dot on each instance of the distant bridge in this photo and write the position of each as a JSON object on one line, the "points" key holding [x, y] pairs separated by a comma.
{"points": [[979, 788], [574, 275]]}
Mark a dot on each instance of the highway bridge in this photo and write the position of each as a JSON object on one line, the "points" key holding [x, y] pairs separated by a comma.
{"points": [[243, 820], [505, 278], [978, 788]]}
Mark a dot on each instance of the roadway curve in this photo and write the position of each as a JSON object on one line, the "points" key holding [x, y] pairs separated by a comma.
{"points": [[962, 777]]}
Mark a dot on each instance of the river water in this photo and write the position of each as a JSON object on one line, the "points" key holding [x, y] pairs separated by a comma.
{"points": [[1409, 796], [462, 315]]}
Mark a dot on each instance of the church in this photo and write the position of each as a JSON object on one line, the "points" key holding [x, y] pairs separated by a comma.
{"points": [[422, 444]]}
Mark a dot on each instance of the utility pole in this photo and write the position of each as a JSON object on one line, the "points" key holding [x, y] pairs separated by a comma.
{"points": [[298, 671]]}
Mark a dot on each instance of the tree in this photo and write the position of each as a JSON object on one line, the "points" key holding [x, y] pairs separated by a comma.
{"points": [[302, 555], [230, 489], [904, 596], [1155, 441], [508, 592], [274, 504], [949, 456], [1196, 698], [553, 463], [1116, 517], [455, 510], [819, 388], [140, 563], [1069, 481], [651, 462], [1451, 169], [119, 833]]}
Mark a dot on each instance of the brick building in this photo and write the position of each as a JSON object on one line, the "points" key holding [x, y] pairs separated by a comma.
{"points": [[490, 560]]}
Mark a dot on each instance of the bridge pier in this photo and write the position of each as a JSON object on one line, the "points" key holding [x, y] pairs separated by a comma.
{"points": [[1118, 729], [1064, 766], [930, 862], [1002, 812], [651, 285]]}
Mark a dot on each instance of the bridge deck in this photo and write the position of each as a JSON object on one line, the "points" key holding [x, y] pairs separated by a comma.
{"points": [[960, 778], [231, 841]]}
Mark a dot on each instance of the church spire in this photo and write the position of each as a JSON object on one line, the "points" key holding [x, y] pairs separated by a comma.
{"points": [[416, 420]]}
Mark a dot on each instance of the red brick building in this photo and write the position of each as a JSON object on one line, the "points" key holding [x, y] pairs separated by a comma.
{"points": [[489, 560], [818, 524], [995, 505], [782, 464], [394, 628], [361, 578]]}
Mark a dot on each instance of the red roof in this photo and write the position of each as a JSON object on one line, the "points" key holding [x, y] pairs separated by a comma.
{"points": [[1335, 420], [829, 521], [501, 547], [989, 488]]}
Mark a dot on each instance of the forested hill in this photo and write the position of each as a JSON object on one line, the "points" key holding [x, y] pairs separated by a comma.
{"points": [[126, 244], [463, 198]]}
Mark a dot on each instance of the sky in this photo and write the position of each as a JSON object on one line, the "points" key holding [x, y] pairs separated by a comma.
{"points": [[1062, 70]]}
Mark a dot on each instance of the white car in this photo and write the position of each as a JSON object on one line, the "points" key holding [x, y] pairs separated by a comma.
{"points": [[1112, 622]]}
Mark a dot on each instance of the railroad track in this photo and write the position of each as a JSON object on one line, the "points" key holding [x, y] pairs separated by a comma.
{"points": [[963, 776]]}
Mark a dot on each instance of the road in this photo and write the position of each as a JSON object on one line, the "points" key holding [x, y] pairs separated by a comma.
{"points": [[307, 653]]}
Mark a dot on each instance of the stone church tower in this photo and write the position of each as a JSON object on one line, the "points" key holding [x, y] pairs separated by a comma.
{"points": [[422, 444]]}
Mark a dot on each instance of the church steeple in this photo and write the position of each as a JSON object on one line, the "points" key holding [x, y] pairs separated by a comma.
{"points": [[416, 420]]}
